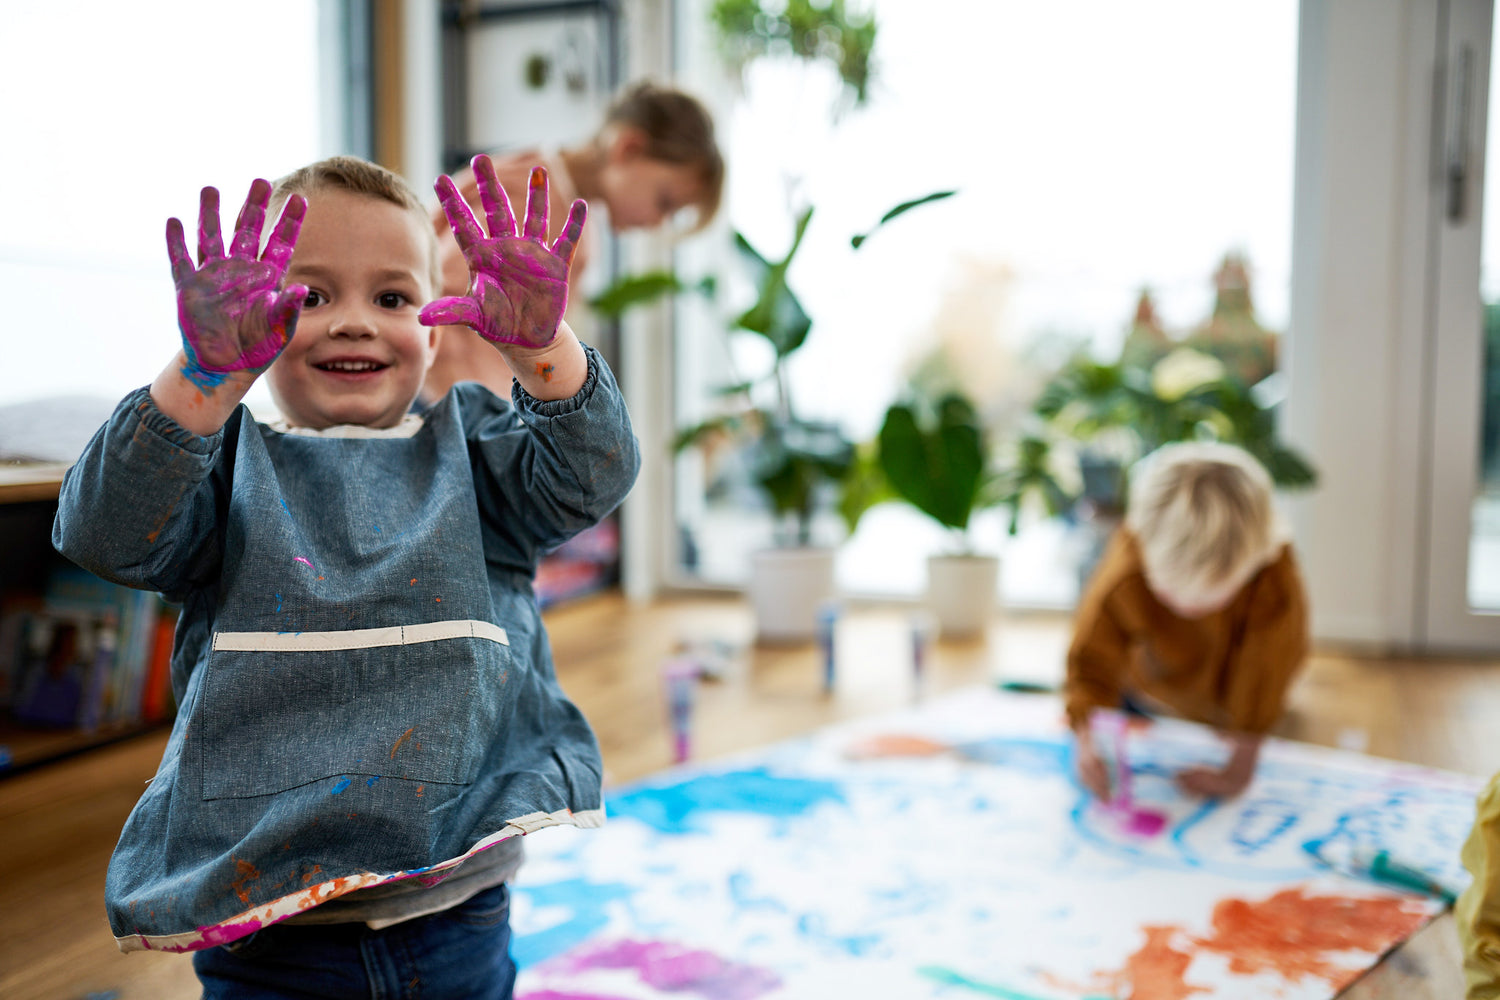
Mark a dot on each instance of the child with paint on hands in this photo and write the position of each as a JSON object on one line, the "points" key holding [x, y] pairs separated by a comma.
{"points": [[1196, 609], [1478, 909], [654, 156], [369, 713]]}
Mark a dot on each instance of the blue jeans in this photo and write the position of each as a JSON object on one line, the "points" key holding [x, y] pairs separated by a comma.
{"points": [[463, 953]]}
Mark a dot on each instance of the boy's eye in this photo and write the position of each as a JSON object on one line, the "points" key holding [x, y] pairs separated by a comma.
{"points": [[313, 299], [391, 300]]}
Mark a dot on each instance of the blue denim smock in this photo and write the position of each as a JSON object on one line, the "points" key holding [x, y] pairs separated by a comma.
{"points": [[366, 690]]}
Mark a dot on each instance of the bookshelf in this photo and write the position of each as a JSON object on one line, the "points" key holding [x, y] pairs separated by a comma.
{"points": [[28, 503]]}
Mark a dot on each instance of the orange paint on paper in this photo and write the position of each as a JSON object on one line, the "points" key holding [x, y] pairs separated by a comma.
{"points": [[400, 740], [1158, 971], [247, 873], [896, 745], [1291, 935]]}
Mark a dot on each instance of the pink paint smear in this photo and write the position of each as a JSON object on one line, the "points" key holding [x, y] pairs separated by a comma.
{"points": [[671, 968]]}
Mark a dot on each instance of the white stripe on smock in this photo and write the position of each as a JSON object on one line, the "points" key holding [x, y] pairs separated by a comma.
{"points": [[359, 638]]}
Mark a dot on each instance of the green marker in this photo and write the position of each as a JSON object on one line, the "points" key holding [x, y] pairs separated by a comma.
{"points": [[1379, 866]]}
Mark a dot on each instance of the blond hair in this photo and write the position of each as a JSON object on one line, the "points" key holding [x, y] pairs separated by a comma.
{"points": [[679, 130], [1202, 514], [371, 180]]}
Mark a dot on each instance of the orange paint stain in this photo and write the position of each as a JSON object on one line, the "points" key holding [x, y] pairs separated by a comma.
{"points": [[413, 582], [1291, 934], [438, 599], [402, 739], [246, 872], [419, 790], [316, 869], [896, 745], [544, 371]]}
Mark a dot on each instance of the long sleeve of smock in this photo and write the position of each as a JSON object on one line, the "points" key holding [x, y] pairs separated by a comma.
{"points": [[1098, 654], [139, 506], [1478, 909], [562, 468], [1272, 648]]}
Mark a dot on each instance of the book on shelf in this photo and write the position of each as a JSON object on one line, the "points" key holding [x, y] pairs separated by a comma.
{"points": [[85, 654]]}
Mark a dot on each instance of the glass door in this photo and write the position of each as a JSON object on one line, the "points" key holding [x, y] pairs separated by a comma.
{"points": [[1462, 597]]}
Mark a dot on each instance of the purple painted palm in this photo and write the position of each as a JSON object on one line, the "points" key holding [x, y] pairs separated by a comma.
{"points": [[232, 310], [518, 284]]}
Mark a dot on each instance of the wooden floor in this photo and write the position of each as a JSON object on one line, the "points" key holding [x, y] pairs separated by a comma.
{"points": [[59, 822]]}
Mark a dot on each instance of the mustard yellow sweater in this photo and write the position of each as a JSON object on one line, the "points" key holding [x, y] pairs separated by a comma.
{"points": [[1478, 909], [1229, 669]]}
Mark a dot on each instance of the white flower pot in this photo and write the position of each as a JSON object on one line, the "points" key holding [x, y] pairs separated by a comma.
{"points": [[962, 593], [787, 587]]}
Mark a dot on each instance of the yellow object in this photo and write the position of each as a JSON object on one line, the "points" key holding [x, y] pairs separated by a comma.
{"points": [[1478, 909]]}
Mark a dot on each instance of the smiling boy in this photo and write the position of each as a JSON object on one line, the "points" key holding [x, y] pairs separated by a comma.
{"points": [[369, 713]]}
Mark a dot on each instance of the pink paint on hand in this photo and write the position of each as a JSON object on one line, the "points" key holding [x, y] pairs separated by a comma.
{"points": [[518, 285], [232, 310]]}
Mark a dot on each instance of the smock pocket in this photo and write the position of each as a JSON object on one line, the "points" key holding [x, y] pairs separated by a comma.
{"points": [[417, 702]]}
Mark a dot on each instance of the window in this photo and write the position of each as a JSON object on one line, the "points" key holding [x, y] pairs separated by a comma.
{"points": [[116, 115], [1097, 148]]}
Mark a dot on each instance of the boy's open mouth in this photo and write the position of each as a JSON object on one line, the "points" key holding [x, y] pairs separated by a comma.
{"points": [[350, 367]]}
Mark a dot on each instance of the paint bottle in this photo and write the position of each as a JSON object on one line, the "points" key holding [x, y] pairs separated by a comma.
{"points": [[679, 677], [921, 641], [828, 619]]}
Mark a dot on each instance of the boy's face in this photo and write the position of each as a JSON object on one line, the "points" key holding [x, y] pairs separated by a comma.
{"points": [[359, 355]]}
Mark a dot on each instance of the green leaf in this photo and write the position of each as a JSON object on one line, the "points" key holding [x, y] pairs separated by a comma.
{"points": [[858, 240], [776, 315], [937, 469], [634, 290]]}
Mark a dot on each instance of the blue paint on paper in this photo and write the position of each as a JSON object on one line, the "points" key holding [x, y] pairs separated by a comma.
{"points": [[678, 808], [343, 784], [587, 904], [1038, 756]]}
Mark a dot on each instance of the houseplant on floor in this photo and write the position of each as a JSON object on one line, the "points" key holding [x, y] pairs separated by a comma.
{"points": [[936, 455]]}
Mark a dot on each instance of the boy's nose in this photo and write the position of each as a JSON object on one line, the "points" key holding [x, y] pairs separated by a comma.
{"points": [[352, 322]]}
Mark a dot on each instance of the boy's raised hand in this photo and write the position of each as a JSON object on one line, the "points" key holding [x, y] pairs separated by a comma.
{"points": [[518, 285], [233, 312]]}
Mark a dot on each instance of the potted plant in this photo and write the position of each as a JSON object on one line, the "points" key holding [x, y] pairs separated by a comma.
{"points": [[795, 463], [1113, 413], [936, 455]]}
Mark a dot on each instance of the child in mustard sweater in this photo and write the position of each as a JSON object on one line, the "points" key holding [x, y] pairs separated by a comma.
{"points": [[1196, 610]]}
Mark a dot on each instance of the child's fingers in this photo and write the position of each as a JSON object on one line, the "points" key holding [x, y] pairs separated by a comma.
{"points": [[499, 217], [455, 310], [567, 241], [177, 252], [460, 218], [251, 220], [536, 205], [284, 237], [210, 243]]}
